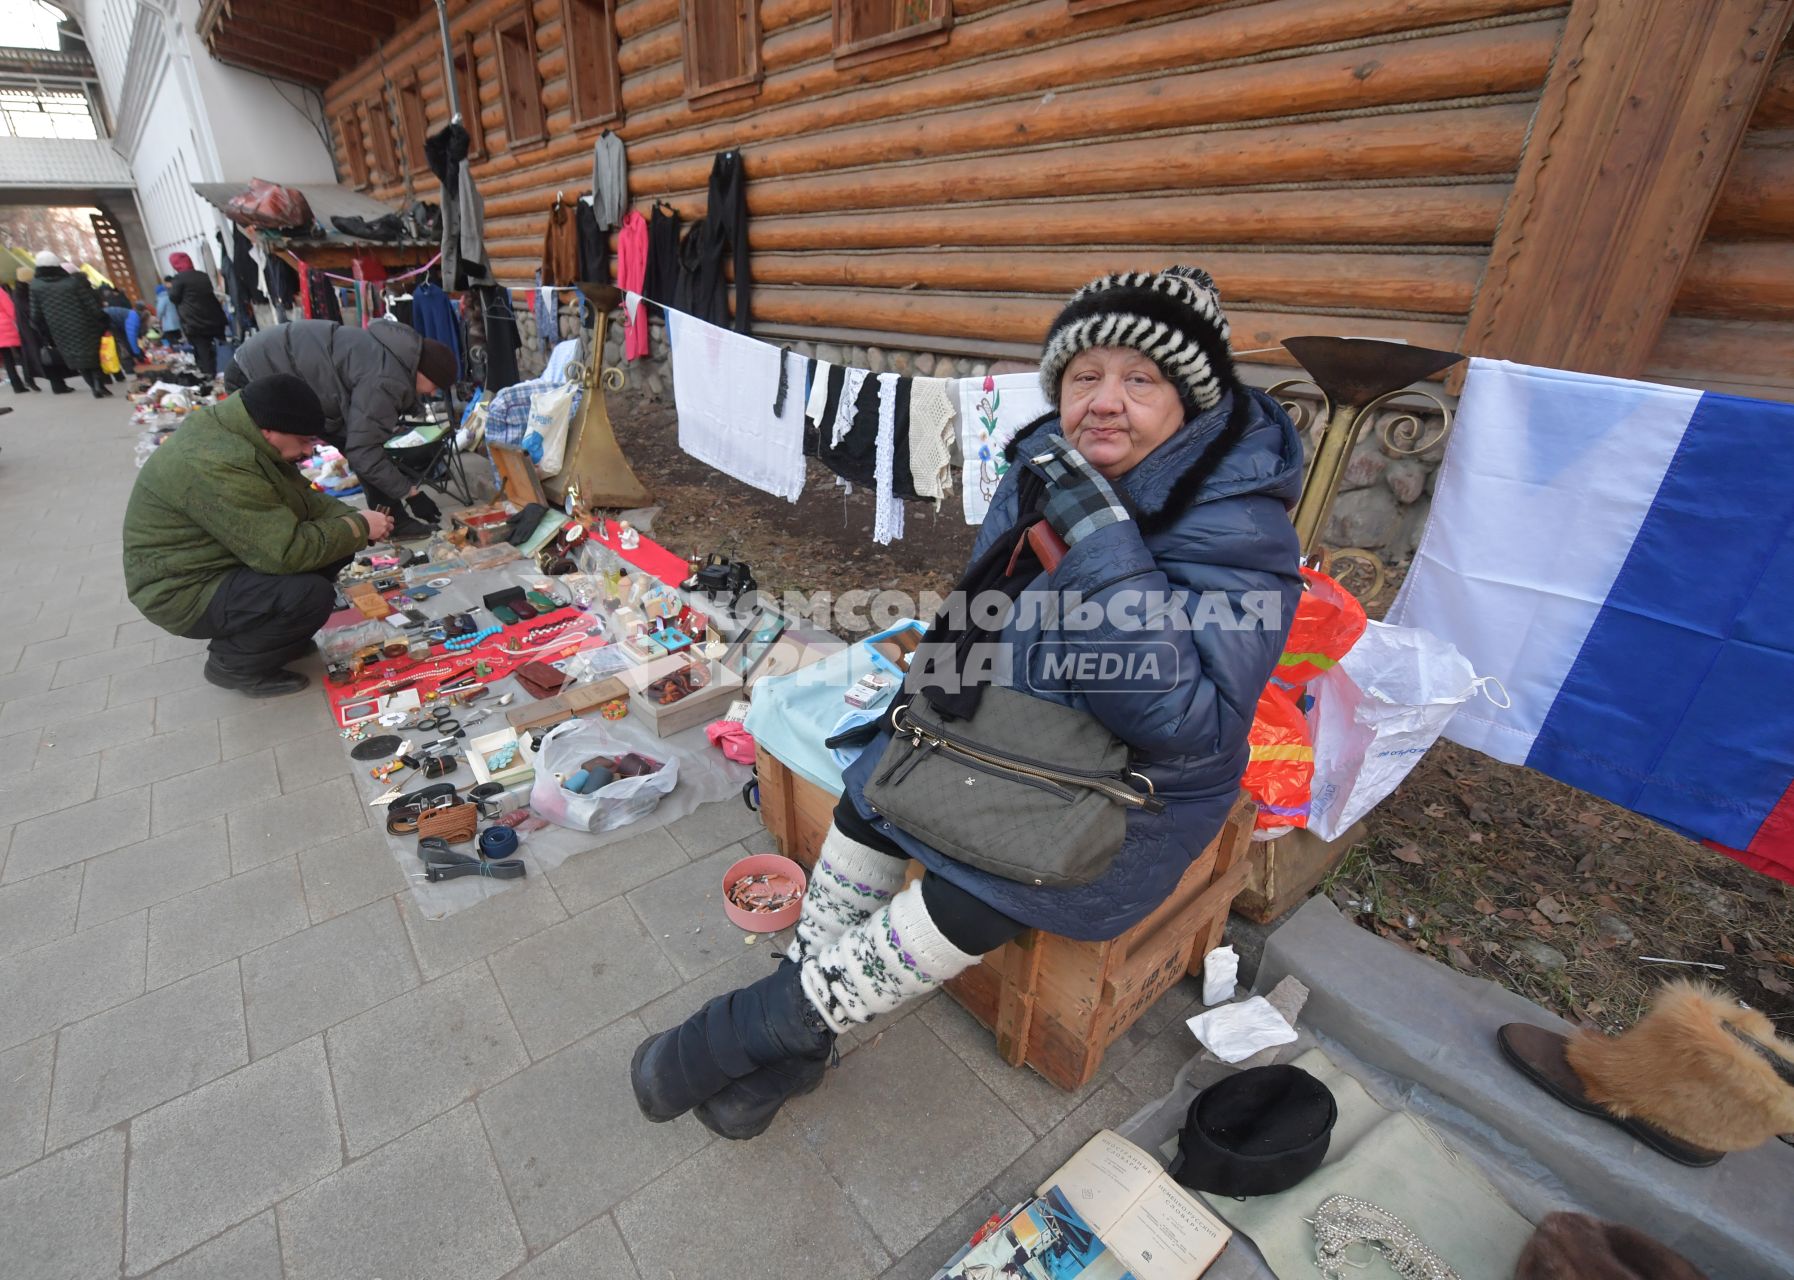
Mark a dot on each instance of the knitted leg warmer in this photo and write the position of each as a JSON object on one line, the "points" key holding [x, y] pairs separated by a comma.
{"points": [[893, 955], [850, 881]]}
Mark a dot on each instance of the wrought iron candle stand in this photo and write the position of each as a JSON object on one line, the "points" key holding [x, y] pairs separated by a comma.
{"points": [[1355, 378]]}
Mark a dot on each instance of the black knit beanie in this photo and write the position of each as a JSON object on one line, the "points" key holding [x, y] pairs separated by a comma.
{"points": [[1173, 317], [437, 363], [284, 402]]}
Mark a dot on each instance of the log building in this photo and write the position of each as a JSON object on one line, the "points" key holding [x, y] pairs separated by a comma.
{"points": [[1592, 185]]}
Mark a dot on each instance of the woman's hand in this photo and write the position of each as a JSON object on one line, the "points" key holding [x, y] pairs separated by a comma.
{"points": [[1079, 499]]}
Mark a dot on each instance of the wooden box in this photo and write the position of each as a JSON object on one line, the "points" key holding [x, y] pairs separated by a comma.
{"points": [[1056, 1004], [1281, 873]]}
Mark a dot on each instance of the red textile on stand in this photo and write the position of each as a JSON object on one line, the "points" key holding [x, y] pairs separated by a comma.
{"points": [[632, 269]]}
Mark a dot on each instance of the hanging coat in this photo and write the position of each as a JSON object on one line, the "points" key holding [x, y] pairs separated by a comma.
{"points": [[66, 314], [560, 246], [632, 264], [464, 261]]}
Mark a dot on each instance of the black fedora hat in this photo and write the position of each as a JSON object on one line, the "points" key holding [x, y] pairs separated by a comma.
{"points": [[1258, 1132]]}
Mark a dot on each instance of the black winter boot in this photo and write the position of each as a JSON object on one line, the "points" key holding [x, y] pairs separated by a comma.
{"points": [[747, 1106], [731, 1037]]}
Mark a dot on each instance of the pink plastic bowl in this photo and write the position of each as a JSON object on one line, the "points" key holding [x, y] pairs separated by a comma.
{"points": [[760, 864]]}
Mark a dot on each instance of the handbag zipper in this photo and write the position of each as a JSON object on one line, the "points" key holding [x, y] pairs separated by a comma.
{"points": [[1056, 770], [1116, 792]]}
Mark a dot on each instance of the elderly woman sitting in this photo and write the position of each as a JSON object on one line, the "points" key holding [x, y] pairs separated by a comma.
{"points": [[1168, 483]]}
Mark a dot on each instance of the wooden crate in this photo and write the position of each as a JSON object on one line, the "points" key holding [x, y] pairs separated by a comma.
{"points": [[1053, 1003], [1281, 873]]}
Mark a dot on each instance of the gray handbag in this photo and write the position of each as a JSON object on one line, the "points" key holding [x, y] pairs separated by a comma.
{"points": [[1026, 789]]}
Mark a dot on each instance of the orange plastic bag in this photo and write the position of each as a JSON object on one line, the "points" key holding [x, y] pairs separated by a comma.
{"points": [[1280, 775], [1327, 624]]}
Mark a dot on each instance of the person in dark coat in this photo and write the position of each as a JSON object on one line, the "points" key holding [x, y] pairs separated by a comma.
{"points": [[202, 317], [367, 379], [66, 315], [1170, 483]]}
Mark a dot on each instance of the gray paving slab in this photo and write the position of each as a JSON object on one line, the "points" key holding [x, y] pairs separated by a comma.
{"points": [[23, 682], [926, 1258], [170, 647], [53, 706], [140, 1054], [80, 831], [348, 873], [181, 707], [457, 1024], [569, 1138], [445, 944], [30, 795], [1107, 1108], [247, 1252], [429, 1206], [283, 824], [164, 675], [135, 632], [67, 980], [167, 755], [578, 975], [63, 741], [316, 757], [752, 964], [244, 913], [594, 1252], [63, 1217], [107, 662], [598, 875], [1149, 1072], [227, 1151], [711, 826], [152, 871], [24, 1101], [778, 1193], [9, 656], [75, 643], [38, 910], [319, 976], [18, 752], [955, 1134], [206, 793], [1038, 1103], [684, 911], [243, 729]]}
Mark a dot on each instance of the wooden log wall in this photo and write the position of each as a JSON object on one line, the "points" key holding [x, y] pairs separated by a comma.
{"points": [[1339, 165], [1733, 323]]}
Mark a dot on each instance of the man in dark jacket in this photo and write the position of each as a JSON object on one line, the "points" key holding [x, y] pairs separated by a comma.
{"points": [[366, 379], [202, 318], [66, 316], [225, 540]]}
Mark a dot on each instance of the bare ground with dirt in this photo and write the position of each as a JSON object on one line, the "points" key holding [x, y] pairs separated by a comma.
{"points": [[1493, 869]]}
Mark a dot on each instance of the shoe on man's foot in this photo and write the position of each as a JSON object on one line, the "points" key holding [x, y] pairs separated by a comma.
{"points": [[265, 684]]}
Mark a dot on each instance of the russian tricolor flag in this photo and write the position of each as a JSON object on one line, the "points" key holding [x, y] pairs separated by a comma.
{"points": [[1621, 555]]}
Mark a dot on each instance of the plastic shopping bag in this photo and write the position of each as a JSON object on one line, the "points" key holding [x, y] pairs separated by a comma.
{"points": [[109, 355], [564, 749], [550, 417], [1377, 713], [1281, 769], [1327, 624]]}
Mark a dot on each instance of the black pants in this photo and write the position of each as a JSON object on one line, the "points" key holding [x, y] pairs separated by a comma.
{"points": [[258, 622], [17, 369], [379, 499], [968, 922], [96, 380], [205, 355]]}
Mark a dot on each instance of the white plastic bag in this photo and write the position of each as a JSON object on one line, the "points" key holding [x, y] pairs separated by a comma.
{"points": [[550, 417], [568, 745], [1220, 973], [1375, 715]]}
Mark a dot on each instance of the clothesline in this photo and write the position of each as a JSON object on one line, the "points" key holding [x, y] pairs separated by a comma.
{"points": [[329, 275]]}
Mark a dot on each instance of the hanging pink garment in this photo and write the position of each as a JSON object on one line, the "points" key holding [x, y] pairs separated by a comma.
{"points": [[632, 268]]}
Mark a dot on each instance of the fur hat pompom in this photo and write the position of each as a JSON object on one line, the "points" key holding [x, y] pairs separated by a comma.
{"points": [[1173, 317], [1698, 1065]]}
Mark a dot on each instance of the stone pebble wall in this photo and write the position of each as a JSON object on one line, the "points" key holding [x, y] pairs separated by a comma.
{"points": [[1383, 500]]}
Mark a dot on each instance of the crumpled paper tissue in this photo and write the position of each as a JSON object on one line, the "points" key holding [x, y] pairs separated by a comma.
{"points": [[1234, 1032]]}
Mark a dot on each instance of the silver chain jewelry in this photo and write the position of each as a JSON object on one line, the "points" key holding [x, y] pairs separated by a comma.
{"points": [[1343, 1221]]}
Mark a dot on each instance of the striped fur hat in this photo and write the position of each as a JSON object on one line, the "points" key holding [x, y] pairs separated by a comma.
{"points": [[1173, 317]]}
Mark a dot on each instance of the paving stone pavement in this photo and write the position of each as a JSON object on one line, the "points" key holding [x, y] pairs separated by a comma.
{"points": [[232, 1049]]}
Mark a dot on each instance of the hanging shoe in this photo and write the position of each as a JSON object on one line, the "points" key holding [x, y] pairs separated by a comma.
{"points": [[732, 1036]]}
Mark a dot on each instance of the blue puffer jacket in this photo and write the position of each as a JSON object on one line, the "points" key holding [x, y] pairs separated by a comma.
{"points": [[1233, 537]]}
